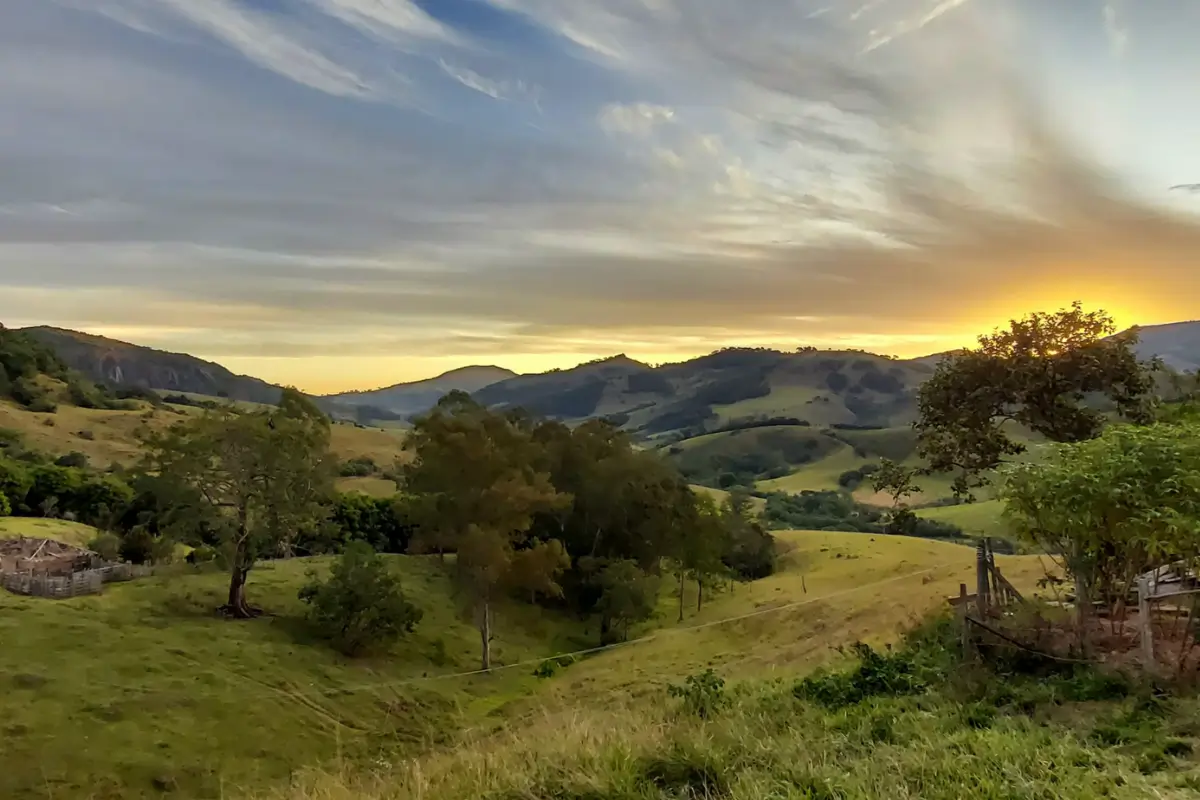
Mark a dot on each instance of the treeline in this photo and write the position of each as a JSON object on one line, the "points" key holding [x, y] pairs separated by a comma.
{"points": [[570, 517], [837, 511]]}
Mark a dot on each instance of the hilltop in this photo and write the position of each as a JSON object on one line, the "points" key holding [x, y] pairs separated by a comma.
{"points": [[821, 387], [116, 363], [417, 396]]}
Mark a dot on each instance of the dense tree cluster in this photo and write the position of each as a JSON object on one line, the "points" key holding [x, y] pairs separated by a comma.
{"points": [[571, 516]]}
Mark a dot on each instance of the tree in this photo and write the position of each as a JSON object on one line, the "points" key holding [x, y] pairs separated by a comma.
{"points": [[5, 506], [1037, 374], [476, 474], [751, 551], [898, 482], [361, 607], [266, 474], [627, 595], [1112, 508]]}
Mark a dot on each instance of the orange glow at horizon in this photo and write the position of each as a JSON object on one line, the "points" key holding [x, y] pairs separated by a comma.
{"points": [[331, 374]]}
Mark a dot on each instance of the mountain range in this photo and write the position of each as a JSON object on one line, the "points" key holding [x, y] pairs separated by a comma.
{"points": [[842, 388]]}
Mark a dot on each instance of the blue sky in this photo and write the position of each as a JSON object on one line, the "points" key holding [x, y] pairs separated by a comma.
{"points": [[347, 193]]}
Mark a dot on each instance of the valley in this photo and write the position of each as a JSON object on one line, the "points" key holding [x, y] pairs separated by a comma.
{"points": [[742, 541]]}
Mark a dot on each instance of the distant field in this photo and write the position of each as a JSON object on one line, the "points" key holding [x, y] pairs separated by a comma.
{"points": [[720, 495], [375, 487], [785, 401], [107, 437], [982, 518], [74, 533], [818, 476]]}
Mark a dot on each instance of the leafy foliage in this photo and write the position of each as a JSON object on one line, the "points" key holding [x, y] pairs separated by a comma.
{"points": [[361, 607], [262, 476], [702, 694], [1112, 507], [1037, 373]]}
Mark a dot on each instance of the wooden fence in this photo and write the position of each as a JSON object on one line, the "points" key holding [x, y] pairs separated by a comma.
{"points": [[89, 581]]}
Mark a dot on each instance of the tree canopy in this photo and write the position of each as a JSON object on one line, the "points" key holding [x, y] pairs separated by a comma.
{"points": [[1037, 373], [266, 474]]}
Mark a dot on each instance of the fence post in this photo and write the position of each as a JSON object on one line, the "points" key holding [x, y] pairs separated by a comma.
{"points": [[1144, 629], [981, 580], [961, 610]]}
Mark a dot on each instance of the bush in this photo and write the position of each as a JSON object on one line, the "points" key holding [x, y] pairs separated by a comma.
{"points": [[551, 666], [73, 459], [138, 546], [703, 694], [360, 607], [359, 467], [107, 546], [204, 554], [5, 506]]}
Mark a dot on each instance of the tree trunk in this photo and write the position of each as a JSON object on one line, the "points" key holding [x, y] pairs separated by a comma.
{"points": [[236, 605], [681, 574], [699, 594], [239, 570], [485, 636]]}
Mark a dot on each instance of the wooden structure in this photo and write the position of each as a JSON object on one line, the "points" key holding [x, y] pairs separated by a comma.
{"points": [[1167, 583], [48, 568], [993, 592]]}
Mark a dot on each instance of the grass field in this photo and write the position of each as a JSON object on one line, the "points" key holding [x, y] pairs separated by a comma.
{"points": [[982, 518], [375, 487], [143, 687], [818, 476], [783, 401], [107, 437], [74, 533], [720, 495], [832, 588]]}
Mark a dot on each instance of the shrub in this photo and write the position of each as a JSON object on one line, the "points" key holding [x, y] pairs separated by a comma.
{"points": [[359, 467], [360, 607], [550, 667], [137, 546], [5, 506], [702, 694], [107, 546], [73, 459], [204, 554]]}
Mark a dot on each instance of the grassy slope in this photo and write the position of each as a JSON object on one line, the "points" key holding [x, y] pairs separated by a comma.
{"points": [[837, 580], [978, 519], [720, 495], [75, 533], [605, 727], [114, 434], [104, 696], [375, 487]]}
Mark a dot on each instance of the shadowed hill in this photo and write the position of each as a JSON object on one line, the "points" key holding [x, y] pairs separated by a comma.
{"points": [[418, 396], [117, 363]]}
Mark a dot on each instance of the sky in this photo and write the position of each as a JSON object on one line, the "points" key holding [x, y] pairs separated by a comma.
{"points": [[342, 194]]}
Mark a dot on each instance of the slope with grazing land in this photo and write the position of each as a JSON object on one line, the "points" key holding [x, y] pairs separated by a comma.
{"points": [[187, 702], [184, 701], [114, 437], [60, 530]]}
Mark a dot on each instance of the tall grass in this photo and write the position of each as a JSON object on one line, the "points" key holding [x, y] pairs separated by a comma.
{"points": [[901, 724]]}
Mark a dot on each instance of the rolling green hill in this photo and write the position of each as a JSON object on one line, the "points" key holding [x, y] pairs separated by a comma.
{"points": [[185, 702]]}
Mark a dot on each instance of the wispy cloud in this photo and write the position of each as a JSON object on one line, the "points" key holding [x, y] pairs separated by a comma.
{"points": [[1118, 36]]}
